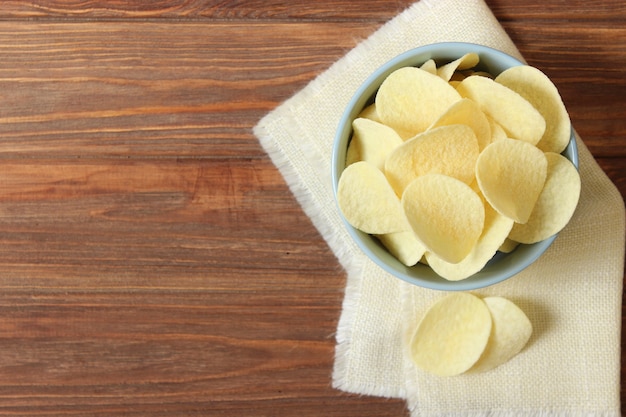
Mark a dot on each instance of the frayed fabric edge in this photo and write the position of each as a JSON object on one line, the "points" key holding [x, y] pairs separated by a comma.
{"points": [[304, 197]]}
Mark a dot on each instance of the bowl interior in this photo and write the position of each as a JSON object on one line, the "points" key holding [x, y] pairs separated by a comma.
{"points": [[502, 266]]}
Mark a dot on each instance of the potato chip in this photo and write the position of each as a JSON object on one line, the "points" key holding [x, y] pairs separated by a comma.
{"points": [[497, 132], [508, 246], [369, 112], [469, 60], [452, 335], [404, 246], [495, 232], [449, 150], [510, 331], [556, 204], [511, 174], [519, 119], [368, 202], [410, 99], [405, 134], [371, 142], [446, 215], [353, 153], [538, 89], [466, 112], [429, 66]]}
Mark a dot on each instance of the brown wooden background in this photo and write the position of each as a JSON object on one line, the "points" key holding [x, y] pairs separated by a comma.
{"points": [[152, 260]]}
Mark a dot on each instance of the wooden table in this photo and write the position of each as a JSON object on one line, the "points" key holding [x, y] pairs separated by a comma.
{"points": [[152, 260]]}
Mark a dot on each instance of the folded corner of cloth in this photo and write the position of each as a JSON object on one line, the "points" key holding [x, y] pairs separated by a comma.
{"points": [[572, 295]]}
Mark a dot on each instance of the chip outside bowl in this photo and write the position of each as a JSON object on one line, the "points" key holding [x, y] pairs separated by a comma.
{"points": [[502, 266]]}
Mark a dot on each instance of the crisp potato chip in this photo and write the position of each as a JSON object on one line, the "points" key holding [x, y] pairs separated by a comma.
{"points": [[509, 109], [446, 215], [469, 60], [556, 203], [497, 132], [495, 232], [538, 89], [353, 153], [510, 331], [449, 150], [411, 99], [405, 134], [369, 112], [511, 174], [466, 112], [368, 202], [429, 66], [404, 246], [452, 335], [508, 245], [371, 142]]}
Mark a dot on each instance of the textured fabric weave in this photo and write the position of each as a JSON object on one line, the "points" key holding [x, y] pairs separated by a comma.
{"points": [[572, 295]]}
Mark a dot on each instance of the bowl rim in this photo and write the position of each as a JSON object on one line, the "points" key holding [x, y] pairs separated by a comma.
{"points": [[514, 262]]}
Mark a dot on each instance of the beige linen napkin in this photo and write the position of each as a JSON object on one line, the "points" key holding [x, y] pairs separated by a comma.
{"points": [[572, 295]]}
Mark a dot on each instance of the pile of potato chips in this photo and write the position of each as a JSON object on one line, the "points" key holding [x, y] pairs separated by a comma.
{"points": [[450, 165], [464, 333]]}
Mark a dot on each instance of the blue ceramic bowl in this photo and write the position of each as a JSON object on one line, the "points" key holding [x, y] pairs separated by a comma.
{"points": [[502, 266]]}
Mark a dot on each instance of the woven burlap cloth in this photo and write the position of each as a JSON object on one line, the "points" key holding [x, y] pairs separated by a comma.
{"points": [[572, 295]]}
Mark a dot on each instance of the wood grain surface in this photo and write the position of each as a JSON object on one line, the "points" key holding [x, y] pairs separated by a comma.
{"points": [[152, 260]]}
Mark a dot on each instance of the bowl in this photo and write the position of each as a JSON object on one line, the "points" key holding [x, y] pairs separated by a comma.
{"points": [[503, 265]]}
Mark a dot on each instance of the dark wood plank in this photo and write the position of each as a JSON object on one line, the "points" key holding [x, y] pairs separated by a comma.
{"points": [[157, 269], [608, 10], [256, 9], [615, 169], [140, 91], [561, 13], [206, 217], [205, 9]]}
